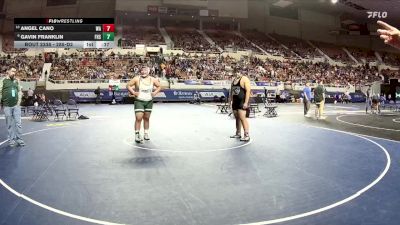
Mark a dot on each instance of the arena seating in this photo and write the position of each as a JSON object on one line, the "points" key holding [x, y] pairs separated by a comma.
{"points": [[8, 45], [334, 52], [299, 46], [269, 45], [390, 58], [228, 39], [133, 35], [362, 54], [93, 66], [189, 39], [183, 67], [29, 68]]}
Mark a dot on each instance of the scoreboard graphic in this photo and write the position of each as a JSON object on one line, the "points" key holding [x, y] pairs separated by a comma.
{"points": [[64, 32]]}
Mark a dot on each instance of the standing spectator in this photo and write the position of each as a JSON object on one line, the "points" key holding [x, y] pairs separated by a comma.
{"points": [[368, 99], [97, 93], [319, 97], [307, 99], [10, 96], [30, 96]]}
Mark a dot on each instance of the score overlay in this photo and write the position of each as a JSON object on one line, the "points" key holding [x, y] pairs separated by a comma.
{"points": [[64, 32]]}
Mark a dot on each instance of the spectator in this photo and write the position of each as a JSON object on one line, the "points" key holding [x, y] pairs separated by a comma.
{"points": [[10, 97], [319, 97]]}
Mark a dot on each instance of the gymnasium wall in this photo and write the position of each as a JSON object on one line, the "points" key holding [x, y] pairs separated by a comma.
{"points": [[256, 16], [226, 8], [310, 25], [138, 6]]}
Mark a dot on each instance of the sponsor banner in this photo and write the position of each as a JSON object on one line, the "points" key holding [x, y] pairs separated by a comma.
{"points": [[164, 95], [192, 82], [212, 94], [84, 94], [207, 82], [90, 96], [357, 97], [185, 95], [216, 82], [268, 84]]}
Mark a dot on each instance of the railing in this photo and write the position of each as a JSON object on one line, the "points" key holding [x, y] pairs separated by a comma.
{"points": [[98, 81], [29, 79]]}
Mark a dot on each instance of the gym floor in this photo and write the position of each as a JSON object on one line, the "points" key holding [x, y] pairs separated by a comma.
{"points": [[295, 170]]}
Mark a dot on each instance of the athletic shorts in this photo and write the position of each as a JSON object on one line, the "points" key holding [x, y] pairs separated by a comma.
{"points": [[143, 106], [237, 104]]}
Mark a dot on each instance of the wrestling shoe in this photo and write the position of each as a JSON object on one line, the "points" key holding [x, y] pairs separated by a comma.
{"points": [[138, 138], [235, 136], [245, 138]]}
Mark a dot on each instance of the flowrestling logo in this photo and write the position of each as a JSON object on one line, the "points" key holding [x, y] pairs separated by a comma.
{"points": [[376, 14]]}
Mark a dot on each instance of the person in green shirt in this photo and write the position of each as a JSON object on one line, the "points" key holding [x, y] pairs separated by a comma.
{"points": [[319, 98], [10, 96]]}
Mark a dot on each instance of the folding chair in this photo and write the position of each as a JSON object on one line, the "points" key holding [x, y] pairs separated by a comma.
{"points": [[24, 110], [59, 110], [40, 113], [72, 109], [270, 109]]}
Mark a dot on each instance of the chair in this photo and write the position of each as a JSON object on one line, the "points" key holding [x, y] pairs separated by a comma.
{"points": [[24, 110], [270, 110], [223, 107], [59, 110], [40, 113], [72, 109]]}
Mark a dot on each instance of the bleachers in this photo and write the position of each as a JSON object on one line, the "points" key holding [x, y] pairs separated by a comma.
{"points": [[148, 35], [189, 39], [229, 39], [362, 54], [8, 45], [390, 58], [298, 46], [269, 45], [334, 52]]}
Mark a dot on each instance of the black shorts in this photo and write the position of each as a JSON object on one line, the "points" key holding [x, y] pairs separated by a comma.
{"points": [[237, 104]]}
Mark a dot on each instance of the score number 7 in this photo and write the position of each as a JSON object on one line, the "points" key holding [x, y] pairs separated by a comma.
{"points": [[108, 27]]}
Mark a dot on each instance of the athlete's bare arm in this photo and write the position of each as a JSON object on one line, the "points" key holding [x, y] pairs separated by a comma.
{"points": [[246, 85], [131, 86], [158, 87], [230, 98]]}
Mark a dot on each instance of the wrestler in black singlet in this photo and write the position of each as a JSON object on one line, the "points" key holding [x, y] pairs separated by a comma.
{"points": [[238, 95]]}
